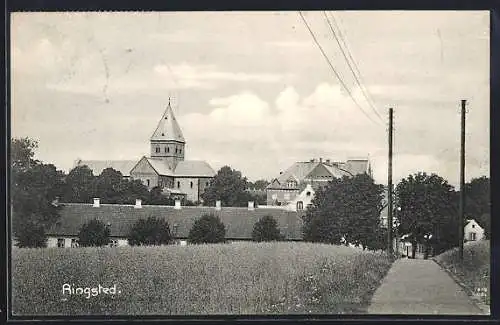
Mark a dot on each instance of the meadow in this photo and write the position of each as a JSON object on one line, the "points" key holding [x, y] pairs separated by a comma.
{"points": [[238, 278], [474, 272]]}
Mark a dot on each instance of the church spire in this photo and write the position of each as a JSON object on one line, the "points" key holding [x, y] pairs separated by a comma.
{"points": [[168, 129]]}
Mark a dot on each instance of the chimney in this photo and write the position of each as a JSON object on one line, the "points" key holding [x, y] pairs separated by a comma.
{"points": [[328, 161], [251, 206], [320, 160], [177, 205], [217, 205], [97, 202], [312, 160], [138, 203]]}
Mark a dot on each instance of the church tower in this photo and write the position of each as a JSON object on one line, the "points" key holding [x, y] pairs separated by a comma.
{"points": [[167, 142]]}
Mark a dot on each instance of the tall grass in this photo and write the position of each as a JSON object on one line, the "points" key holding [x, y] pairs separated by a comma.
{"points": [[474, 271], [238, 278]]}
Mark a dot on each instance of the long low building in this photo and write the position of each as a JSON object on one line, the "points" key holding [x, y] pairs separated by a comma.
{"points": [[239, 222]]}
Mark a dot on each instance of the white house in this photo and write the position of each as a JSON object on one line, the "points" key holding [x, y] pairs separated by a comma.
{"points": [[473, 231]]}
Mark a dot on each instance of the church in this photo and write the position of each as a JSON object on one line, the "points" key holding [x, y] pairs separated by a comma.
{"points": [[165, 167]]}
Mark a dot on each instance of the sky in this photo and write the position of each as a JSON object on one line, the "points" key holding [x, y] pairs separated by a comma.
{"points": [[252, 90]]}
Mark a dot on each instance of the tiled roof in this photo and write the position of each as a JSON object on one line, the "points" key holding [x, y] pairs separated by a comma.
{"points": [[239, 222], [97, 166], [161, 166], [168, 128], [300, 170], [198, 168]]}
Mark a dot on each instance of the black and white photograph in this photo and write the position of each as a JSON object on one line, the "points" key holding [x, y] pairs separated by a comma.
{"points": [[296, 162]]}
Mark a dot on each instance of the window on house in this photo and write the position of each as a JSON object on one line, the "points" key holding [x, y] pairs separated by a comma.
{"points": [[207, 184], [178, 184], [300, 205], [176, 150], [168, 149], [157, 149], [147, 181], [473, 226], [191, 184], [472, 236], [74, 242], [165, 149], [60, 242], [113, 243], [180, 150]]}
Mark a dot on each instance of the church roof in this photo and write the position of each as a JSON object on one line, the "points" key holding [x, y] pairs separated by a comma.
{"points": [[194, 168], [97, 166], [168, 128], [184, 168]]}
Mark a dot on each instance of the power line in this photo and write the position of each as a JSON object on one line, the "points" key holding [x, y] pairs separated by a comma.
{"points": [[358, 76], [333, 69]]}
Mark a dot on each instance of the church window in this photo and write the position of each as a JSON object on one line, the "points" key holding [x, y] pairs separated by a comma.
{"points": [[308, 193], [191, 184], [178, 184]]}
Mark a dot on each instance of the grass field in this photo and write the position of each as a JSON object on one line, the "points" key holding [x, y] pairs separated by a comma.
{"points": [[474, 272], [238, 278]]}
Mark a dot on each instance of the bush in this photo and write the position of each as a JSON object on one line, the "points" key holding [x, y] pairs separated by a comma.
{"points": [[93, 233], [151, 231], [266, 229], [207, 229], [31, 235]]}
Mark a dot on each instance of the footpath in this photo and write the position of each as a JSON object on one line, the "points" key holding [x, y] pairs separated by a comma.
{"points": [[418, 287]]}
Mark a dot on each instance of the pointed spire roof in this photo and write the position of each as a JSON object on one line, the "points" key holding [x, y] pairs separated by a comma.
{"points": [[168, 128]]}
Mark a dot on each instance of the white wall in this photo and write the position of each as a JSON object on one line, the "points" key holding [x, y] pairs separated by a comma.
{"points": [[473, 227]]}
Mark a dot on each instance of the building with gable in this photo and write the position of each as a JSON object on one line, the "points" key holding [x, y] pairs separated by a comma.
{"points": [[284, 189], [165, 167]]}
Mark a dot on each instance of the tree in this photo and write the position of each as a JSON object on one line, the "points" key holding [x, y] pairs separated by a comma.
{"points": [[266, 229], [229, 187], [79, 183], [130, 190], [428, 206], [207, 229], [259, 185], [347, 210], [34, 187], [22, 152], [108, 185], [478, 202], [151, 231], [93, 233], [156, 197]]}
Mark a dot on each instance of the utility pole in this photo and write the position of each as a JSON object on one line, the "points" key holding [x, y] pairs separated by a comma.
{"points": [[462, 183], [389, 189]]}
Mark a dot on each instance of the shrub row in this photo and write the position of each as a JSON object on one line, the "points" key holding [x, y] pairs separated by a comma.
{"points": [[154, 231]]}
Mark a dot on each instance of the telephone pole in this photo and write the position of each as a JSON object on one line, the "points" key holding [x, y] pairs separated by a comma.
{"points": [[389, 189], [462, 183]]}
